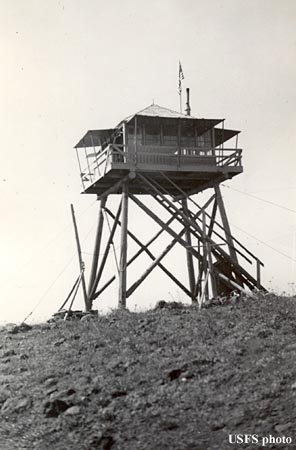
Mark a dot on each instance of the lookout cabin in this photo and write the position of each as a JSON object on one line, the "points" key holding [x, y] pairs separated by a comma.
{"points": [[159, 142]]}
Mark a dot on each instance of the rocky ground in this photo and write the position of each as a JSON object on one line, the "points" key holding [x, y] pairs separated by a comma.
{"points": [[174, 378]]}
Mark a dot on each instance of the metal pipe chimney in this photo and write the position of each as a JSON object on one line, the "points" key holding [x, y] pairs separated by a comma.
{"points": [[188, 109]]}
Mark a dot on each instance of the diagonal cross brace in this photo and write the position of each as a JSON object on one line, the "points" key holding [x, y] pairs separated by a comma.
{"points": [[144, 248]]}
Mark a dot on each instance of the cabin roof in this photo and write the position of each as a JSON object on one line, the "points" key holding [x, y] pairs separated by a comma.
{"points": [[166, 113], [159, 111], [98, 137]]}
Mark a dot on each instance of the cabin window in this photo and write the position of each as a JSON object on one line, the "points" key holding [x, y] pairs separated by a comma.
{"points": [[188, 136], [170, 135], [131, 134], [152, 134], [205, 139]]}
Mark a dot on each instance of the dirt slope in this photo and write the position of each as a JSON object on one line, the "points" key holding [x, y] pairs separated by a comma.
{"points": [[169, 379]]}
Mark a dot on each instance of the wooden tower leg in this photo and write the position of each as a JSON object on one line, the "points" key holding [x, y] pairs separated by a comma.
{"points": [[190, 266], [97, 247], [205, 257], [123, 248], [225, 223]]}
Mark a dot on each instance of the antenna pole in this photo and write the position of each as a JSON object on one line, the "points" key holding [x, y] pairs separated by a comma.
{"points": [[81, 263], [180, 95]]}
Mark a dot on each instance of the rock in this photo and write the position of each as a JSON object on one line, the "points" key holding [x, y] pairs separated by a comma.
{"points": [[293, 386], [217, 426], [169, 425], [55, 407], [160, 304], [118, 393], [174, 374], [23, 327], [24, 356], [4, 395], [72, 411], [60, 342], [50, 382], [281, 428], [16, 405], [9, 353], [102, 441]]}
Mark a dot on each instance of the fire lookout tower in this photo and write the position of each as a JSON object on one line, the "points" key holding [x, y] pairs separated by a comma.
{"points": [[171, 157]]}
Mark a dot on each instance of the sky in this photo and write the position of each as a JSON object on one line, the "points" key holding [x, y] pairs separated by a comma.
{"points": [[69, 66]]}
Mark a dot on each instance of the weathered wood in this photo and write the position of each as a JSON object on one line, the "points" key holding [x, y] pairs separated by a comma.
{"points": [[206, 248], [235, 285], [217, 251], [97, 247], [190, 265], [150, 254], [258, 273], [75, 293], [205, 291], [114, 187], [71, 292], [151, 267], [225, 222], [213, 217], [162, 224], [123, 248], [81, 263], [105, 255]]}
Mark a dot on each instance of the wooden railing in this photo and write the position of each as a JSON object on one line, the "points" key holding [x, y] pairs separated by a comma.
{"points": [[115, 156]]}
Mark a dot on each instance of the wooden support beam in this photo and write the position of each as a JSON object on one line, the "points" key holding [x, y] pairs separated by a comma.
{"points": [[81, 263], [213, 217], [225, 223], [217, 251], [123, 248], [114, 188], [151, 267], [190, 265], [204, 186], [105, 255], [144, 248], [97, 247], [204, 295], [205, 256], [162, 224], [233, 284], [258, 264], [74, 295]]}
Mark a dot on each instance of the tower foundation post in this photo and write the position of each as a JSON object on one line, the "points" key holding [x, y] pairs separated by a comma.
{"points": [[123, 248]]}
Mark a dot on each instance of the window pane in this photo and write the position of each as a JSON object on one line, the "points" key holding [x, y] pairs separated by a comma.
{"points": [[152, 135], [170, 135], [188, 136]]}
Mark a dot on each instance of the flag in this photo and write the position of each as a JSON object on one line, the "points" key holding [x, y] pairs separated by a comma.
{"points": [[181, 77]]}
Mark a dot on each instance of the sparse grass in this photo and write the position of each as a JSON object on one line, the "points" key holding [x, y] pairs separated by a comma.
{"points": [[163, 379]]}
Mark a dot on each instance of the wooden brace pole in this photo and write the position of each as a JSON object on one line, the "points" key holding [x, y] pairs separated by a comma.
{"points": [[97, 247], [123, 248], [105, 255], [81, 263], [144, 248]]}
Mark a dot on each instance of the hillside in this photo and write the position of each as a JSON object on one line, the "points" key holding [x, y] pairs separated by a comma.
{"points": [[174, 378]]}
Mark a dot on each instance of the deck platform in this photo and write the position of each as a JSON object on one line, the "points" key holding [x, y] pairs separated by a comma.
{"points": [[189, 173]]}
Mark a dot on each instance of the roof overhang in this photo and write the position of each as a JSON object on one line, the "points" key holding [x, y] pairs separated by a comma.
{"points": [[95, 138], [202, 125], [223, 135]]}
